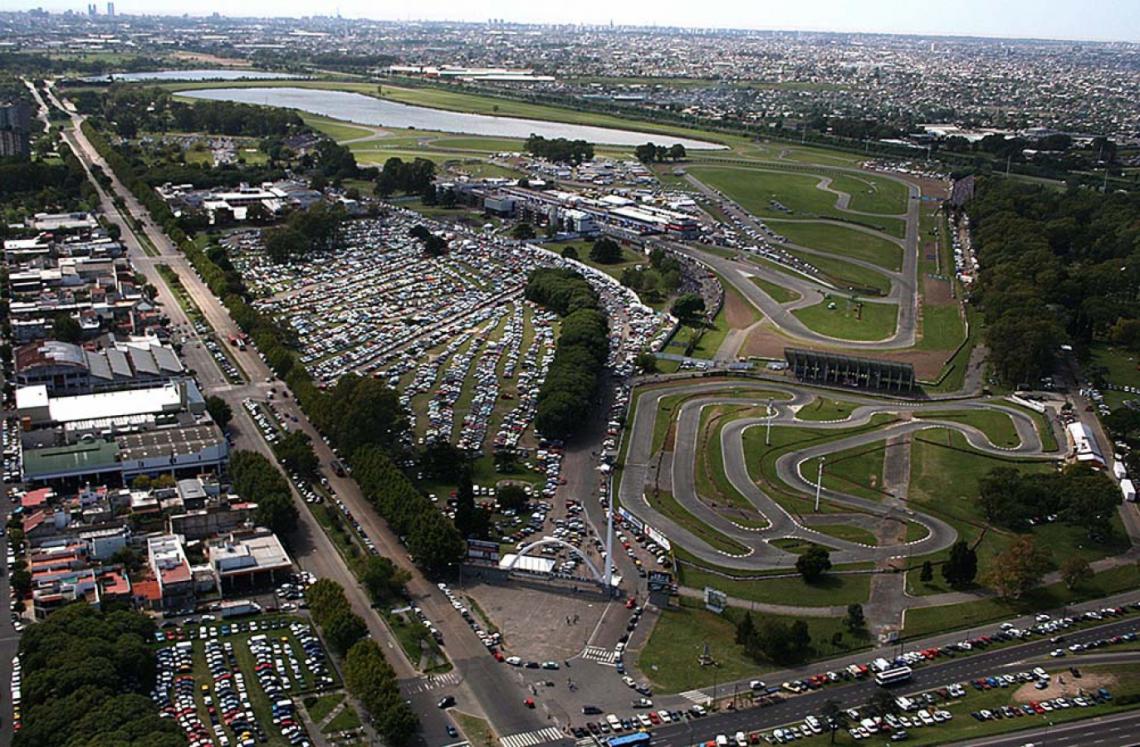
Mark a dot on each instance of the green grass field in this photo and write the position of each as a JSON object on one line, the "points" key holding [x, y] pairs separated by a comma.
{"points": [[857, 471], [873, 193], [335, 128], [845, 275], [997, 426], [670, 656], [825, 408], [668, 506], [847, 532], [1121, 367], [877, 321], [779, 293], [843, 242]]}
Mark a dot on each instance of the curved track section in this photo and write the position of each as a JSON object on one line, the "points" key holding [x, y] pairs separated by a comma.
{"points": [[642, 468]]}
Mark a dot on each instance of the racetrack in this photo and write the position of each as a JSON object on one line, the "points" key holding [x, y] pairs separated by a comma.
{"points": [[641, 465]]}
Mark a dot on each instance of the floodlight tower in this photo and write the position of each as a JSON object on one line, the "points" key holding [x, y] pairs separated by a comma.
{"points": [[768, 433], [608, 575], [819, 483]]}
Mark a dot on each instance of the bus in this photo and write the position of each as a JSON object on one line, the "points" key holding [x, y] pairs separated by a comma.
{"points": [[636, 739], [892, 676]]}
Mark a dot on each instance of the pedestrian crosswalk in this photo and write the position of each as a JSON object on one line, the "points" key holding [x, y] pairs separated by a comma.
{"points": [[431, 682], [600, 655], [528, 738], [697, 696]]}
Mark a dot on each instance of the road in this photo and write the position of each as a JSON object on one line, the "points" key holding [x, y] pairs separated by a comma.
{"points": [[482, 681], [960, 669]]}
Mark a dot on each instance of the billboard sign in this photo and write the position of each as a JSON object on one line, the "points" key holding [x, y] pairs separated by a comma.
{"points": [[715, 600]]}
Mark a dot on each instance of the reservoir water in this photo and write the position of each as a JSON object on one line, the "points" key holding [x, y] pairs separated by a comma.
{"points": [[356, 107]]}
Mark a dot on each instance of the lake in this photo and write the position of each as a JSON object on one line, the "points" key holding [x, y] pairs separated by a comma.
{"points": [[356, 107], [219, 74]]}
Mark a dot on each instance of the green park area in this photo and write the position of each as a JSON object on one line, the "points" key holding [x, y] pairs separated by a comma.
{"points": [[945, 475], [844, 319]]}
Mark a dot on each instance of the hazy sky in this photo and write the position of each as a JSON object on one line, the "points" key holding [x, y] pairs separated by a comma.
{"points": [[1116, 20]]}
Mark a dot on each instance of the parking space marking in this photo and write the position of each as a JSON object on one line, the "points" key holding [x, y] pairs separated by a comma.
{"points": [[529, 738]]}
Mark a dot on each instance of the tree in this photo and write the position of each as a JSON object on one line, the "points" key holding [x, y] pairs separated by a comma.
{"points": [[814, 563], [383, 580], [927, 573], [1075, 571], [470, 520], [855, 621], [277, 512], [285, 243], [646, 362], [220, 410], [295, 450], [961, 567], [512, 497], [523, 231], [343, 629], [677, 151], [606, 251], [66, 329], [569, 252], [745, 629], [834, 717], [883, 703], [443, 462], [1018, 568], [688, 308]]}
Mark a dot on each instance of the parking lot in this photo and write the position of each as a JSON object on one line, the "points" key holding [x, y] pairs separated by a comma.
{"points": [[240, 682]]}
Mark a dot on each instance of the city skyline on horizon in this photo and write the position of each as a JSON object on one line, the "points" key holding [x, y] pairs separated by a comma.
{"points": [[1053, 20]]}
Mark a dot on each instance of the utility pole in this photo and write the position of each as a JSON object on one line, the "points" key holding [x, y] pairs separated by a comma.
{"points": [[819, 483], [768, 434], [608, 575]]}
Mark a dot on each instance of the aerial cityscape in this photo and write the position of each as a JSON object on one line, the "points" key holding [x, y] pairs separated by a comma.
{"points": [[520, 381]]}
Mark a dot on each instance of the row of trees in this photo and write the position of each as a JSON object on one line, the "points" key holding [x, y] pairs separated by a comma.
{"points": [[1078, 495], [1056, 266], [563, 291], [317, 228], [559, 150], [431, 538], [367, 675], [87, 681], [648, 153], [257, 479], [580, 356]]}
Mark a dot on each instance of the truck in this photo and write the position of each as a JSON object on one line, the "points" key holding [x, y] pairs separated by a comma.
{"points": [[238, 607], [1128, 490]]}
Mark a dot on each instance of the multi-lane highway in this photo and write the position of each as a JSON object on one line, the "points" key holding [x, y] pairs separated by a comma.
{"points": [[962, 668]]}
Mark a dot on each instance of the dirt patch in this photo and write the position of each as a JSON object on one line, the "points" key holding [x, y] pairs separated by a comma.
{"points": [[738, 312], [763, 342], [1063, 684], [936, 292], [210, 59]]}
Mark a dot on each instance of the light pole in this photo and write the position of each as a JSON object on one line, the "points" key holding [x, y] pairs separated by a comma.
{"points": [[768, 434], [819, 483]]}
